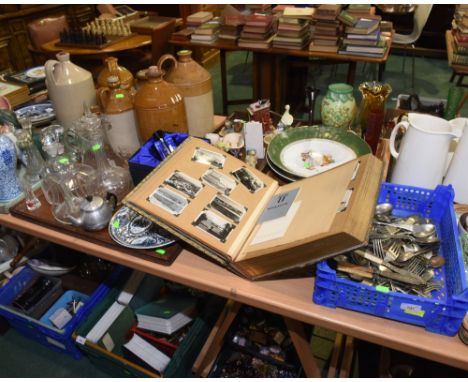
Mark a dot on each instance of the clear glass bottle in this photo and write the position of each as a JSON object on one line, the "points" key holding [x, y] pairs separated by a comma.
{"points": [[30, 155]]}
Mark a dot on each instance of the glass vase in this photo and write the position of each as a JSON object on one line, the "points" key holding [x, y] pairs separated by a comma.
{"points": [[374, 96]]}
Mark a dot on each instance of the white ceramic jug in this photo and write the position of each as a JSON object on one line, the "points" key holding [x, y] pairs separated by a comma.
{"points": [[456, 173], [422, 159], [69, 87]]}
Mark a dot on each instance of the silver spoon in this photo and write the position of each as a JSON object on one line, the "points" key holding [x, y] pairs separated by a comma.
{"points": [[383, 209]]}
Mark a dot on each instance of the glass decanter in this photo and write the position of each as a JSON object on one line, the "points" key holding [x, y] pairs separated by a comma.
{"points": [[29, 154], [110, 177]]}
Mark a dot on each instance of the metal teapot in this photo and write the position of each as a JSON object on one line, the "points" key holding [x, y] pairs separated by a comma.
{"points": [[95, 212]]}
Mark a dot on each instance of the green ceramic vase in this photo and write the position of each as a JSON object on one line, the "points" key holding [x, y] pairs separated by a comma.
{"points": [[338, 106]]}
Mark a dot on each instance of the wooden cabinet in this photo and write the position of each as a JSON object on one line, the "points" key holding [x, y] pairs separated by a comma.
{"points": [[14, 38]]}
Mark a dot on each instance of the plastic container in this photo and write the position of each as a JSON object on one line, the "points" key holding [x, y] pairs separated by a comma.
{"points": [[117, 366], [442, 313], [59, 340], [62, 302]]}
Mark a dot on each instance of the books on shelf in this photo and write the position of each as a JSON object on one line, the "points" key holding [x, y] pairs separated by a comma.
{"points": [[255, 44], [313, 47], [199, 18], [16, 93], [347, 18], [380, 48], [364, 26], [142, 352], [167, 315], [327, 11], [206, 39], [304, 13], [130, 287], [182, 35], [359, 10]]}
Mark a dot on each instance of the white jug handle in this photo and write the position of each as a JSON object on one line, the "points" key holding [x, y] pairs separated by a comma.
{"points": [[49, 69], [393, 135]]}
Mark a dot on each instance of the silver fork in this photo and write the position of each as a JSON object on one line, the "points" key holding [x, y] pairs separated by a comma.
{"points": [[393, 252], [378, 248]]}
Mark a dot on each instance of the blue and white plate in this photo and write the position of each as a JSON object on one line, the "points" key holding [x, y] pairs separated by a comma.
{"points": [[131, 230], [39, 113]]}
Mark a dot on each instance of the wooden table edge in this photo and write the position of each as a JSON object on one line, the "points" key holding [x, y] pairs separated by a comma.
{"points": [[189, 269]]}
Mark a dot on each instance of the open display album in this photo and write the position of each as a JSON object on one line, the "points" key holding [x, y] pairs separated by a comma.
{"points": [[246, 221]]}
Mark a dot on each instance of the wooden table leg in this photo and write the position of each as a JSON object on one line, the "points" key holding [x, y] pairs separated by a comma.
{"points": [[351, 73], [333, 368], [210, 350], [347, 357], [302, 346], [224, 92], [381, 71]]}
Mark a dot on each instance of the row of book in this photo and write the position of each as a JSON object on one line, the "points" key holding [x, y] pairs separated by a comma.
{"points": [[460, 35], [319, 28]]}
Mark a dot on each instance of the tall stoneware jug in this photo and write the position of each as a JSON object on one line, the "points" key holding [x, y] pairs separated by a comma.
{"points": [[69, 87], [194, 82], [159, 106], [111, 67], [118, 107]]}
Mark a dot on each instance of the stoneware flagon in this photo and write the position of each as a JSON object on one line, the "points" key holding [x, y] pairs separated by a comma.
{"points": [[69, 87], [159, 105], [195, 85], [118, 108]]}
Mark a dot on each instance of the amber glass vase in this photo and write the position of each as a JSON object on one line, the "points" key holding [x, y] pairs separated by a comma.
{"points": [[374, 95]]}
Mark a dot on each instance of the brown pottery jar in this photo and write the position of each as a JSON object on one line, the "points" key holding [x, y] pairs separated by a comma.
{"points": [[159, 106], [111, 67], [195, 85]]}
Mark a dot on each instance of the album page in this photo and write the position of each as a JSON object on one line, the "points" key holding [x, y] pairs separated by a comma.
{"points": [[206, 195]]}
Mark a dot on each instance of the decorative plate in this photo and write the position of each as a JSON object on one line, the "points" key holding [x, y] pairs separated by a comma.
{"points": [[49, 269], [131, 230], [281, 173], [37, 72], [39, 113], [310, 150]]}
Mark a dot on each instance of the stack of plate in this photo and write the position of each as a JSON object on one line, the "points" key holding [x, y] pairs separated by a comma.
{"points": [[307, 151]]}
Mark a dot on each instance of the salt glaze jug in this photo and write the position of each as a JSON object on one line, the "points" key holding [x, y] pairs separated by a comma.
{"points": [[118, 108], [195, 85], [423, 153], [159, 105], [69, 87], [112, 68]]}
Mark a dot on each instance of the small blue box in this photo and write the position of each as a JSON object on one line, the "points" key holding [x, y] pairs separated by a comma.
{"points": [[151, 154]]}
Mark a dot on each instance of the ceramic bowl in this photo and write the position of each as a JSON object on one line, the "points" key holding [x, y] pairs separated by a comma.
{"points": [[339, 146]]}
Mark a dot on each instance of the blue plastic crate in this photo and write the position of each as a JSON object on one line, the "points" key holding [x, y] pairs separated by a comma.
{"points": [[444, 311], [59, 340]]}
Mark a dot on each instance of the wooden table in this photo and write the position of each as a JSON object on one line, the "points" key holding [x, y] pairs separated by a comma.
{"points": [[291, 298], [269, 68], [132, 42]]}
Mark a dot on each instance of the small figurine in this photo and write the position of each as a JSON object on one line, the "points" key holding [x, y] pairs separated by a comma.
{"points": [[286, 119]]}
